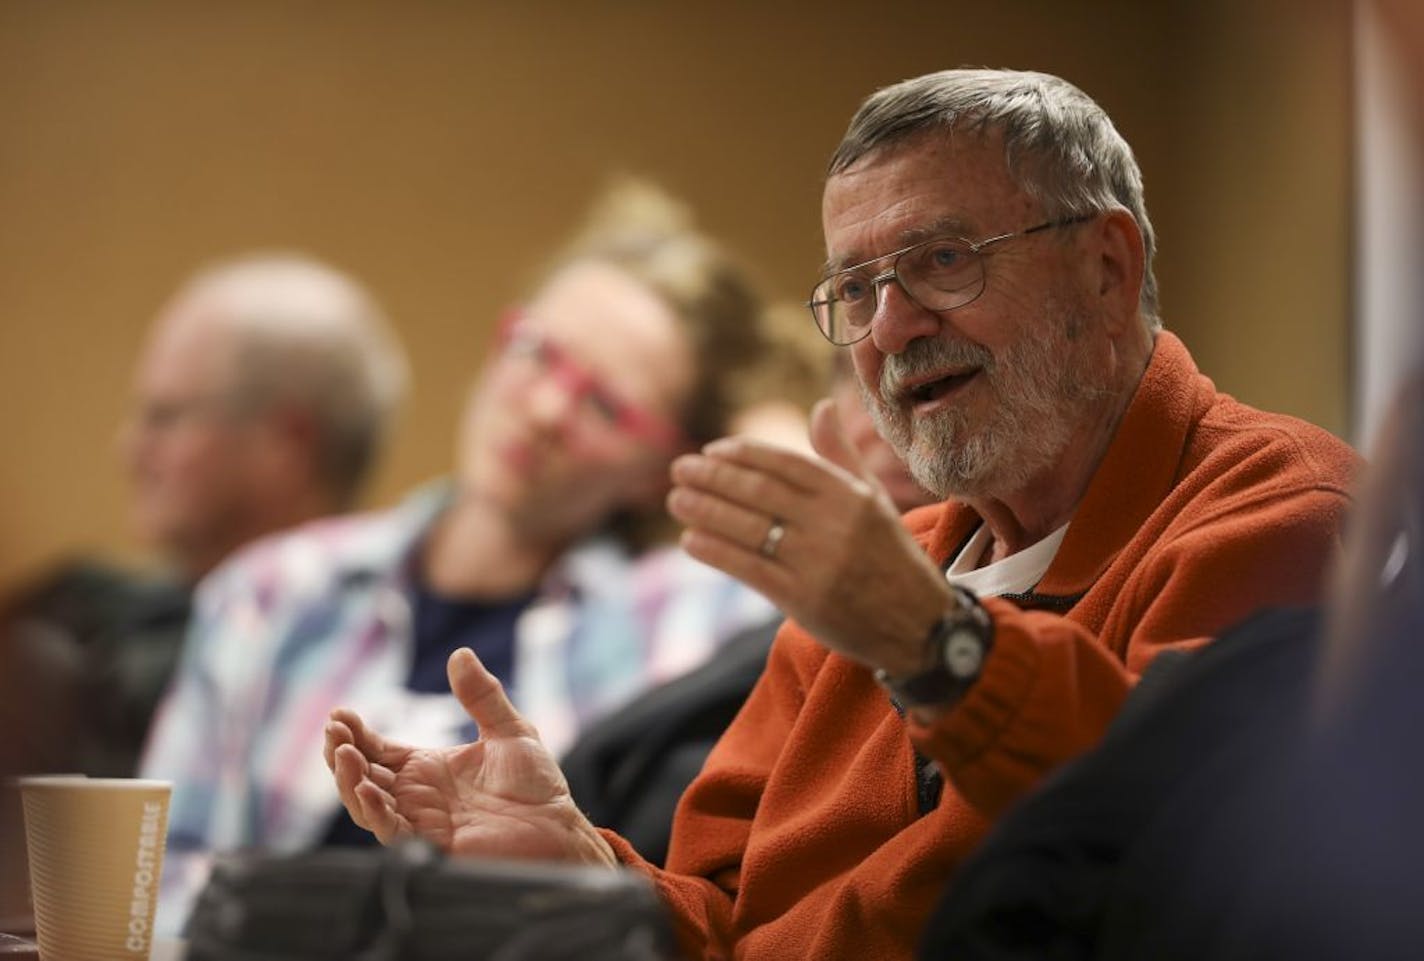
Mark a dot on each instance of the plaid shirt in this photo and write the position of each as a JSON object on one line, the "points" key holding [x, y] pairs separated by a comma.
{"points": [[321, 616]]}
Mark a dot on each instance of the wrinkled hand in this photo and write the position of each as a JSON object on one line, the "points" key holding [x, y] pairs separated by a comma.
{"points": [[846, 569], [501, 796]]}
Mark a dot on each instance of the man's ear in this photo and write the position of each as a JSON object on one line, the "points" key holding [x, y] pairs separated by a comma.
{"points": [[1121, 265]]}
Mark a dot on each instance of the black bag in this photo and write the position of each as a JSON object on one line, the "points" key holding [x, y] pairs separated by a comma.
{"points": [[408, 903]]}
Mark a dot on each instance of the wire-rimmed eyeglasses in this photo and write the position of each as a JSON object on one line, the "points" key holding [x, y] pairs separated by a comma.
{"points": [[939, 274]]}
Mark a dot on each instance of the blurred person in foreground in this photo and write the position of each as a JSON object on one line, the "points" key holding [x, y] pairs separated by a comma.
{"points": [[989, 268], [548, 551], [262, 400], [1256, 798]]}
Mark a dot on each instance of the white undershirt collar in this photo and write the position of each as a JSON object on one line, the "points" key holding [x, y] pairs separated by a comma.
{"points": [[1016, 574]]}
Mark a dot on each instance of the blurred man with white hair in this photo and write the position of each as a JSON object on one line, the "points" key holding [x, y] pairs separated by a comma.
{"points": [[262, 398], [260, 402]]}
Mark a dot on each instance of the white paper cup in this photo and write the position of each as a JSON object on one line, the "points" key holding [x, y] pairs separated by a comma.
{"points": [[96, 855]]}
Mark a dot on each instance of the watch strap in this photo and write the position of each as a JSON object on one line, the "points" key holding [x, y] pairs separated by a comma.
{"points": [[949, 674]]}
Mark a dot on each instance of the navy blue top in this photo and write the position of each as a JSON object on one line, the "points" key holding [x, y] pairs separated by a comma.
{"points": [[445, 624]]}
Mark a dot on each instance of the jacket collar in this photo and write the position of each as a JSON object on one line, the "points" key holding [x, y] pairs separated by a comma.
{"points": [[388, 546]]}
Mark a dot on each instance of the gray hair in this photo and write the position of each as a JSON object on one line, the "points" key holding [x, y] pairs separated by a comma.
{"points": [[1060, 147], [308, 335]]}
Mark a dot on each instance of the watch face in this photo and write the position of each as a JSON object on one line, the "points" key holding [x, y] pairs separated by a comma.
{"points": [[963, 653]]}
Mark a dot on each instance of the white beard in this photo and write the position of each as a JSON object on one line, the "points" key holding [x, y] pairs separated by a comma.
{"points": [[1044, 388]]}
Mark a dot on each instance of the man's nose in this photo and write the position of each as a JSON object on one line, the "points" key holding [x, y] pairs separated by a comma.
{"points": [[898, 319]]}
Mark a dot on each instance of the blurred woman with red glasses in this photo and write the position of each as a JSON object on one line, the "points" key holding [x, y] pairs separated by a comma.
{"points": [[545, 552]]}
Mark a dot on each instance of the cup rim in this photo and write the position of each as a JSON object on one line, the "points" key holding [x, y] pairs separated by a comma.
{"points": [[81, 781]]}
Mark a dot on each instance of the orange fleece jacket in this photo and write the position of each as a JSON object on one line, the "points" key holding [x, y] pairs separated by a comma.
{"points": [[802, 837]]}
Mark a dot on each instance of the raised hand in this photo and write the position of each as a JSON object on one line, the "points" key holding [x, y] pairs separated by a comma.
{"points": [[500, 796], [843, 565]]}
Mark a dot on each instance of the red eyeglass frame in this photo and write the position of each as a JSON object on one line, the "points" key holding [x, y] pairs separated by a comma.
{"points": [[626, 417]]}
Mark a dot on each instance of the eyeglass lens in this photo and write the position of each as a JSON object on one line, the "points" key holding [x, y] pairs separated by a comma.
{"points": [[939, 274]]}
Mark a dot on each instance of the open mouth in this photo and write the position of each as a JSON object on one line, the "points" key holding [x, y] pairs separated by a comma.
{"points": [[931, 391]]}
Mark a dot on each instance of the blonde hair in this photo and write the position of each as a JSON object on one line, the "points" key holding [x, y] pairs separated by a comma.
{"points": [[641, 231]]}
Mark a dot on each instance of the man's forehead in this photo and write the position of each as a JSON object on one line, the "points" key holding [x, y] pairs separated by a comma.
{"points": [[911, 234], [193, 322], [187, 345], [936, 185]]}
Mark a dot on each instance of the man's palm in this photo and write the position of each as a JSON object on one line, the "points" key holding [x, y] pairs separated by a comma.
{"points": [[501, 796]]}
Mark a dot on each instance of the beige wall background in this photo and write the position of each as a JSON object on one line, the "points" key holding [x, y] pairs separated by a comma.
{"points": [[438, 149]]}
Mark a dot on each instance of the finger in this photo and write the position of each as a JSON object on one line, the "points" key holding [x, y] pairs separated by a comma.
{"points": [[379, 812], [483, 698], [382, 776], [745, 528], [338, 732], [333, 736], [806, 474], [356, 733], [774, 580], [375, 747], [365, 791], [349, 767], [749, 487]]}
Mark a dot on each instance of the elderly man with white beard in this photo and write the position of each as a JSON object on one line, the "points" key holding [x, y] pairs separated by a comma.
{"points": [[989, 270]]}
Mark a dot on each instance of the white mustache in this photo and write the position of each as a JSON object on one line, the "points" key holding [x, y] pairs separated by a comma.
{"points": [[927, 355]]}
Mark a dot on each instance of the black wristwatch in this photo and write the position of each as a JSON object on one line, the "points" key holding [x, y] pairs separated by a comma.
{"points": [[955, 650]]}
